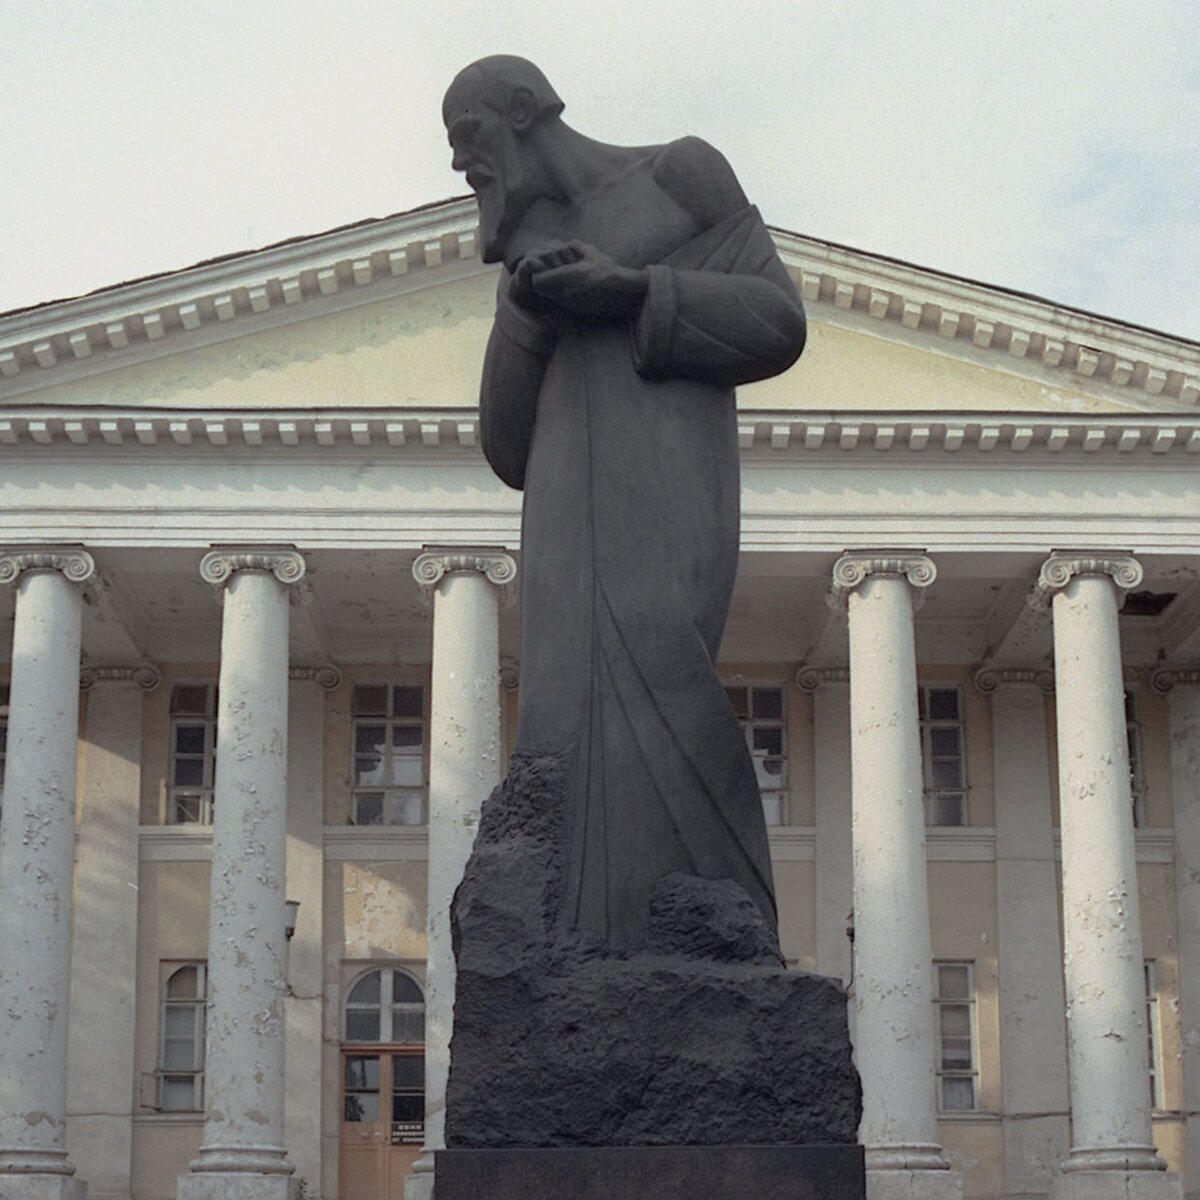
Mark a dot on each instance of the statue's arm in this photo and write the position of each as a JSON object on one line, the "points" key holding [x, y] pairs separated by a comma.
{"points": [[728, 322], [517, 352]]}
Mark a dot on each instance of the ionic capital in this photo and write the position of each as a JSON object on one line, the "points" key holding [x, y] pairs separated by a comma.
{"points": [[77, 565], [432, 566], [854, 568], [1166, 678], [1059, 569], [147, 677], [988, 679], [218, 566], [327, 677], [808, 679]]}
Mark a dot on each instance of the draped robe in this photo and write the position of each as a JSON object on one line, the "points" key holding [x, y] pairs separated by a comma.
{"points": [[623, 435]]}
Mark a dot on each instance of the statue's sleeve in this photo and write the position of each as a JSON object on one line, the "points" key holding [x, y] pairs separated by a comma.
{"points": [[721, 308], [517, 352]]}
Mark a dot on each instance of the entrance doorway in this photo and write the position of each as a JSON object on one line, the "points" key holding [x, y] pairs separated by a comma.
{"points": [[382, 1084]]}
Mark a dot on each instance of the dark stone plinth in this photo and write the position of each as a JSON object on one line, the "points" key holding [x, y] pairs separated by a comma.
{"points": [[653, 1173], [701, 1039]]}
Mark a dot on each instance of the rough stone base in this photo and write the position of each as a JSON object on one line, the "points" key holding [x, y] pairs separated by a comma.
{"points": [[1118, 1185], [702, 1038], [653, 1173], [42, 1187], [914, 1185], [239, 1185]]}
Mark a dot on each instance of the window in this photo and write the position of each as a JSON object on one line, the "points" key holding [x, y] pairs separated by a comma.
{"points": [[3, 735], [940, 713], [389, 755], [1153, 1033], [181, 1041], [385, 1005], [1133, 737], [759, 711], [193, 754], [954, 998]]}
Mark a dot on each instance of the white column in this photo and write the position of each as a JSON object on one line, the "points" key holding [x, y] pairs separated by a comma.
{"points": [[1182, 688], [1033, 1041], [242, 1156], [830, 690], [464, 767], [895, 1043], [305, 884], [100, 1055], [1112, 1154], [37, 835]]}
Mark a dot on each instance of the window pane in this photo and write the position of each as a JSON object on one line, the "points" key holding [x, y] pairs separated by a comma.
{"points": [[366, 990], [947, 772], [369, 700], [406, 738], [408, 1071], [407, 701], [768, 738], [362, 1025], [362, 1106], [178, 1093], [189, 739], [182, 984], [368, 808], [369, 739], [180, 1021], [768, 703], [407, 771], [943, 704], [404, 808], [945, 742], [949, 808], [958, 1095], [405, 990], [190, 700], [362, 1071], [739, 698], [954, 982], [368, 770], [179, 1055], [187, 810], [407, 1106], [408, 1024], [189, 772], [772, 803]]}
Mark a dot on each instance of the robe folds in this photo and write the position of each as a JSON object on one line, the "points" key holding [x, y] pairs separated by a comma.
{"points": [[623, 435]]}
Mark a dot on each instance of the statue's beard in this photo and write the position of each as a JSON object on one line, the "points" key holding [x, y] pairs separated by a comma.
{"points": [[504, 200]]}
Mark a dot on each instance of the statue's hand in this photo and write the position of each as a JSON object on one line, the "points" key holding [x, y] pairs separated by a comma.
{"points": [[578, 279]]}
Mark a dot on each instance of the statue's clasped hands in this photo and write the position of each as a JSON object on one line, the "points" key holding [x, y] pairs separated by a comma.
{"points": [[578, 279]]}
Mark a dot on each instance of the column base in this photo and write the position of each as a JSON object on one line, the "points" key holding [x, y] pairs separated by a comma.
{"points": [[236, 1185], [42, 1187], [418, 1184], [884, 1184], [1118, 1185]]}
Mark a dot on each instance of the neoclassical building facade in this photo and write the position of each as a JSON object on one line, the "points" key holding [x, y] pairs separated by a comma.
{"points": [[259, 665]]}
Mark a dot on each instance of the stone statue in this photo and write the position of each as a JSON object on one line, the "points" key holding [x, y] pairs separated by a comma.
{"points": [[639, 287], [619, 988]]}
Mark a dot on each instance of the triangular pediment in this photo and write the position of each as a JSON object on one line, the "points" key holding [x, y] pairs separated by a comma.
{"points": [[395, 313]]}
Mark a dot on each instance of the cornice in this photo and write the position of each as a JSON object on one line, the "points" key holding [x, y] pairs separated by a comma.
{"points": [[295, 281], [767, 433]]}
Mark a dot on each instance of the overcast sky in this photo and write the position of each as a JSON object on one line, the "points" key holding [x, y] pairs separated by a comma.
{"points": [[1050, 147]]}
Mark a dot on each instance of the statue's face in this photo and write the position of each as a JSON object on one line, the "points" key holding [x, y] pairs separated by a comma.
{"points": [[488, 150]]}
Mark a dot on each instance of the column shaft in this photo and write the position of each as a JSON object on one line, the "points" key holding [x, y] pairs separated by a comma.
{"points": [[36, 850], [242, 1153], [464, 767]]}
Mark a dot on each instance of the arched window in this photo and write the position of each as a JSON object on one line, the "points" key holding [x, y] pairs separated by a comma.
{"points": [[181, 1043], [385, 1005]]}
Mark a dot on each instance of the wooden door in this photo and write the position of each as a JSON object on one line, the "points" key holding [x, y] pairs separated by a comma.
{"points": [[383, 1101]]}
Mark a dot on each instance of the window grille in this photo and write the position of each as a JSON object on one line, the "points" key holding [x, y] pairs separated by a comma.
{"points": [[943, 756], [181, 1040], [957, 1072], [1153, 1033], [1133, 738], [193, 754], [760, 712], [388, 767]]}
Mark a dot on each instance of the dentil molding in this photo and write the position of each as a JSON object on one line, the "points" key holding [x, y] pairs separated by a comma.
{"points": [[1060, 568], [219, 565], [77, 565]]}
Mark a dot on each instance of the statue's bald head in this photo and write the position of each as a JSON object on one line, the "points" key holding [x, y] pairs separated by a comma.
{"points": [[511, 86]]}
